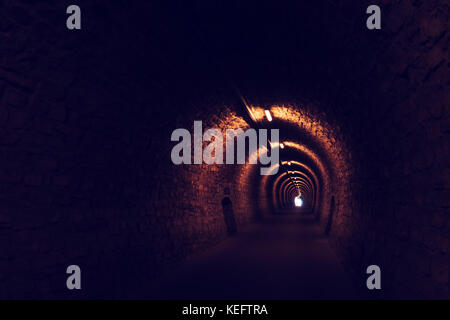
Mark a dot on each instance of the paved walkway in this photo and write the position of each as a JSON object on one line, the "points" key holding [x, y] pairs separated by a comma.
{"points": [[283, 257]]}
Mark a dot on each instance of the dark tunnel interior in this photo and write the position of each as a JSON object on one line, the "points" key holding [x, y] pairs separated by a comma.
{"points": [[87, 179]]}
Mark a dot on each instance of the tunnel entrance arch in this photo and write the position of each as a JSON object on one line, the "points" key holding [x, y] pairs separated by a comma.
{"points": [[330, 216], [228, 215]]}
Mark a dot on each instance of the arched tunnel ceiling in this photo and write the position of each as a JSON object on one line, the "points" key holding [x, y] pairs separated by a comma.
{"points": [[309, 145]]}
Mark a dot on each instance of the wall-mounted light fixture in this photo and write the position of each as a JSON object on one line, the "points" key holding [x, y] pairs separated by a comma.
{"points": [[268, 115]]}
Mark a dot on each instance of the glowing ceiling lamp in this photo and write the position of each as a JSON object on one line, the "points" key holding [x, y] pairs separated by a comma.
{"points": [[268, 115], [281, 146], [289, 163], [298, 201]]}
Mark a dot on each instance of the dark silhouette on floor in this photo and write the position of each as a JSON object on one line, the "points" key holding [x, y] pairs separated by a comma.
{"points": [[228, 215]]}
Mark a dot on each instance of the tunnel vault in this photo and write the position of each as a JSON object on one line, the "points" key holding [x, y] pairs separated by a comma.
{"points": [[86, 121]]}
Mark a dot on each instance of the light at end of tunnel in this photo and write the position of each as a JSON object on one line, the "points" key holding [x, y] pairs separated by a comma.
{"points": [[268, 115], [298, 201]]}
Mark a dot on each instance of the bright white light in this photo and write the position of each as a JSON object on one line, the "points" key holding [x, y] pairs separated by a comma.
{"points": [[281, 146], [298, 201], [268, 115]]}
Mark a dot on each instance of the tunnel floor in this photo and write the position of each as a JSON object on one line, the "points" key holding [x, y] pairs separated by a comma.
{"points": [[285, 256]]}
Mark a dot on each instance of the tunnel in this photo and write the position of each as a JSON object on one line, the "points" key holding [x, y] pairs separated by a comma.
{"points": [[87, 177]]}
